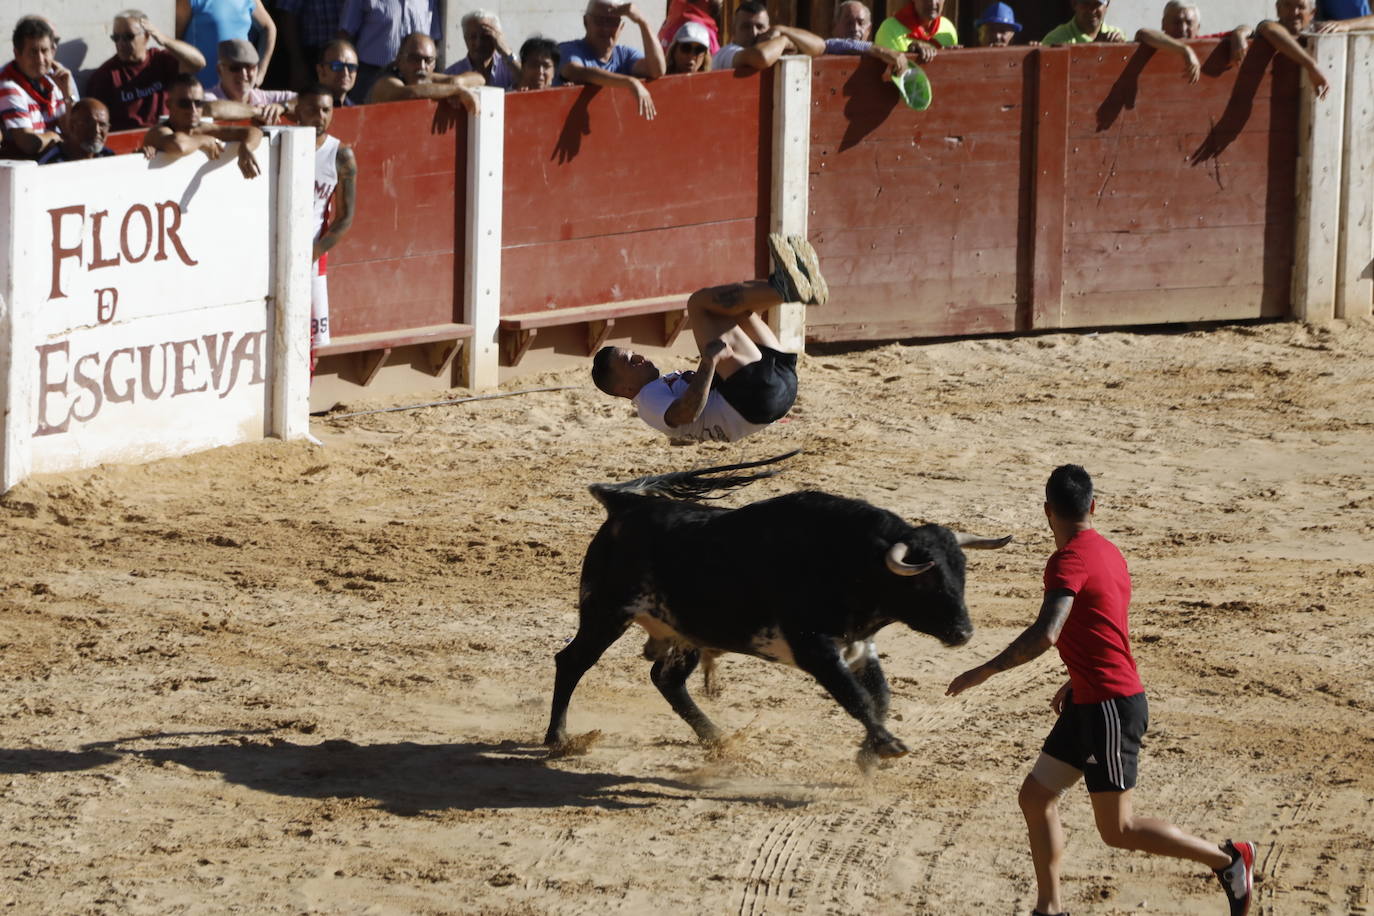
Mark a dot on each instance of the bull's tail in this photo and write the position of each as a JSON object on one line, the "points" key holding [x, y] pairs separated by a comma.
{"points": [[698, 484]]}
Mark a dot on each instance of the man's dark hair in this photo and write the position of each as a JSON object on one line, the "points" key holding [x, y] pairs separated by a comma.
{"points": [[318, 89], [335, 45], [182, 79], [1069, 492], [601, 363], [752, 7], [539, 47], [31, 27]]}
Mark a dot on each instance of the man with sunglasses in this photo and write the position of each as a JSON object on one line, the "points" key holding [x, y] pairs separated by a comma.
{"points": [[238, 82], [337, 70], [597, 58], [133, 83], [412, 76], [183, 133]]}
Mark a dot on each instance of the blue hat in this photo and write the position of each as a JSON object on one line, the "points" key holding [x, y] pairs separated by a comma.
{"points": [[999, 14]]}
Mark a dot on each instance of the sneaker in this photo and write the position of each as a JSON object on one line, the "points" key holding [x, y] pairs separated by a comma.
{"points": [[787, 277], [1238, 878], [806, 256]]}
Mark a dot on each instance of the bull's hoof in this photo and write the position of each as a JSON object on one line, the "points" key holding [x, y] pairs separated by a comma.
{"points": [[555, 737], [890, 748], [867, 760]]}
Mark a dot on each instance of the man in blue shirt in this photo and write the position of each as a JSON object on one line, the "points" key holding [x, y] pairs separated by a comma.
{"points": [[488, 53], [597, 60]]}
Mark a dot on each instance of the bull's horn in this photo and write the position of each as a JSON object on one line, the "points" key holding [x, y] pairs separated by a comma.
{"points": [[896, 561], [974, 542]]}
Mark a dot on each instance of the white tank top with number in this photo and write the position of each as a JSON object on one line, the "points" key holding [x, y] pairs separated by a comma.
{"points": [[326, 178]]}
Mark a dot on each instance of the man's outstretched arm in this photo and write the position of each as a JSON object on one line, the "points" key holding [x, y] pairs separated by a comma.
{"points": [[1030, 645], [577, 73], [1161, 42], [1288, 46]]}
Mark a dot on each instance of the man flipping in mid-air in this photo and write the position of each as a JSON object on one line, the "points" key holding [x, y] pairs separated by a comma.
{"points": [[744, 380]]}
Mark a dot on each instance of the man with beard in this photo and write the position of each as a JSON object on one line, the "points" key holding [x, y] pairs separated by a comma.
{"points": [[412, 76], [84, 129]]}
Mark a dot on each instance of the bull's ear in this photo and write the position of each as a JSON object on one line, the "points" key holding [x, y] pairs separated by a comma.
{"points": [[896, 561], [974, 542]]}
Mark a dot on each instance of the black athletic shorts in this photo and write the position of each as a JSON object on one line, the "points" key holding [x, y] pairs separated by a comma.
{"points": [[1102, 740], [762, 391]]}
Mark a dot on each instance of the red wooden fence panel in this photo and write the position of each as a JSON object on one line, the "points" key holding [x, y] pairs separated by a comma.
{"points": [[402, 265], [918, 216], [602, 205]]}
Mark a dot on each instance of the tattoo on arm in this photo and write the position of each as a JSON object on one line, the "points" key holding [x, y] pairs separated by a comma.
{"points": [[347, 167], [1039, 636]]}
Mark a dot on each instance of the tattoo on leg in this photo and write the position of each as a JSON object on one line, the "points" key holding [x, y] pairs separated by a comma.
{"points": [[729, 297]]}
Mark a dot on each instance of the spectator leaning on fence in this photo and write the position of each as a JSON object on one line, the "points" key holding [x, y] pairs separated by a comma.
{"points": [[1087, 25], [488, 53], [206, 23], [757, 44], [378, 28], [35, 90], [704, 12], [413, 77], [183, 133], [538, 63], [84, 129], [597, 59], [849, 31], [133, 83], [997, 26], [690, 51], [338, 70], [307, 28], [238, 82], [1294, 17], [920, 28]]}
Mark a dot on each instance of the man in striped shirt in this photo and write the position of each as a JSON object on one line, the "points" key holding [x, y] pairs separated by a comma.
{"points": [[35, 91], [1102, 709]]}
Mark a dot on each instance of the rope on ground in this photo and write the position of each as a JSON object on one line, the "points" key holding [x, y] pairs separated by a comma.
{"points": [[478, 397]]}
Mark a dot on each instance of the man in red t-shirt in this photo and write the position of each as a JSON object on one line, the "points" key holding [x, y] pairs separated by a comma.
{"points": [[133, 84], [1102, 709]]}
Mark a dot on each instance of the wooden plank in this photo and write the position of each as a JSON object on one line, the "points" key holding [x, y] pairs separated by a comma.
{"points": [[1355, 264], [639, 265], [601, 312], [1122, 261], [1321, 129], [1048, 187], [393, 293], [377, 340], [1173, 306], [926, 322], [1140, 211]]}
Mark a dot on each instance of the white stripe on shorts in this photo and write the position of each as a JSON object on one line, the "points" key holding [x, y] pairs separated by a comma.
{"points": [[1113, 743]]}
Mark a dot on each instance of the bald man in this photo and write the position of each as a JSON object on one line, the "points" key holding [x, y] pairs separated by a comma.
{"points": [[84, 129], [412, 76]]}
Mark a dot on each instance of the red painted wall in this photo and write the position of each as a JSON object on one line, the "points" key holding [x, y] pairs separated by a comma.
{"points": [[602, 205]]}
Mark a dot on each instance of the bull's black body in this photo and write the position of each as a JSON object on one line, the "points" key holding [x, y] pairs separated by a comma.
{"points": [[805, 573]]}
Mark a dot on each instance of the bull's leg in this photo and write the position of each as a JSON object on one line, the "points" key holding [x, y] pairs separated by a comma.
{"points": [[594, 636], [670, 675], [870, 675], [817, 656]]}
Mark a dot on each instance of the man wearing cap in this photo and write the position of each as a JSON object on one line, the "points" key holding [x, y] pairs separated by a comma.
{"points": [[84, 129], [690, 51], [488, 53], [919, 28], [997, 26], [1089, 24], [598, 59], [744, 381], [238, 82], [338, 70], [413, 77], [756, 44], [133, 83]]}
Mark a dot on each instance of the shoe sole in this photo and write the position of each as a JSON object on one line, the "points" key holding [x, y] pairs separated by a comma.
{"points": [[811, 263], [785, 260]]}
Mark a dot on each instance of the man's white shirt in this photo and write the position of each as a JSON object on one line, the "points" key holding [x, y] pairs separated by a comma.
{"points": [[719, 422]]}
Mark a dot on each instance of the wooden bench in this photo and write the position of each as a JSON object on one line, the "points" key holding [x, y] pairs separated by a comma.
{"points": [[518, 331], [441, 341]]}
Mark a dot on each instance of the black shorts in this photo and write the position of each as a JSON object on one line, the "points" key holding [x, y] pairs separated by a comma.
{"points": [[762, 391], [1102, 740]]}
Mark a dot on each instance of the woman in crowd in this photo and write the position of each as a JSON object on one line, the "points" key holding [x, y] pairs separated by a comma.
{"points": [[538, 63], [690, 51]]}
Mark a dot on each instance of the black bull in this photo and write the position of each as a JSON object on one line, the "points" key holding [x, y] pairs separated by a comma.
{"points": [[805, 579]]}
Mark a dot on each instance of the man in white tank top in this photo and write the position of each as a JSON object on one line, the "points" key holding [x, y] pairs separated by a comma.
{"points": [[335, 168]]}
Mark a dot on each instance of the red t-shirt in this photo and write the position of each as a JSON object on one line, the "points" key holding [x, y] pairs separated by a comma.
{"points": [[136, 94], [1095, 643]]}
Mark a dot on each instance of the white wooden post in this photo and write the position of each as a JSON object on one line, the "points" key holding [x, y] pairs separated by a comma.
{"points": [[19, 272], [289, 316], [482, 273], [1317, 224], [1354, 279], [791, 177]]}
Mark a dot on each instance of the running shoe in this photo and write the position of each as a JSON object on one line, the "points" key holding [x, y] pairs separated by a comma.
{"points": [[788, 277], [806, 256], [1238, 878]]}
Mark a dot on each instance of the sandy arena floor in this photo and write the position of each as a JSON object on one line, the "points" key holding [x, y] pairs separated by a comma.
{"points": [[289, 679]]}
